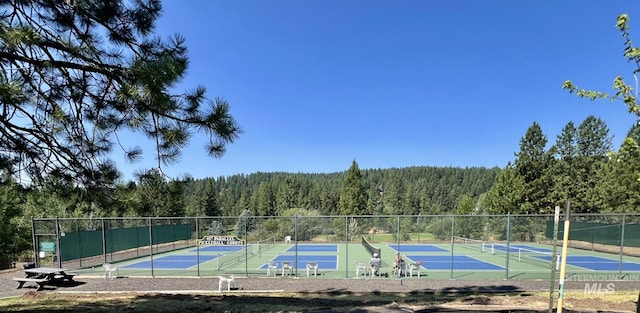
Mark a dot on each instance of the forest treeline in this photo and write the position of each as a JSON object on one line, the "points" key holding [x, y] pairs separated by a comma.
{"points": [[405, 191]]}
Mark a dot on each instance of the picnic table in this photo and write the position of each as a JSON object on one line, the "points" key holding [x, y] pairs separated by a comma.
{"points": [[43, 276]]}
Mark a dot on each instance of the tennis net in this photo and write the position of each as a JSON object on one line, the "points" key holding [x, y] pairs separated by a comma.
{"points": [[265, 244], [475, 244], [228, 260], [370, 247], [529, 255]]}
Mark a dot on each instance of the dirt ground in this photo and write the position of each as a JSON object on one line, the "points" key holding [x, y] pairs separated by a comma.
{"points": [[360, 303], [594, 304]]}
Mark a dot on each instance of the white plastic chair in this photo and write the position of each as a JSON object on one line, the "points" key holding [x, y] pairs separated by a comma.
{"points": [[312, 266], [401, 269], [286, 266], [374, 268], [225, 279], [272, 267], [109, 269], [287, 239], [361, 266], [415, 267]]}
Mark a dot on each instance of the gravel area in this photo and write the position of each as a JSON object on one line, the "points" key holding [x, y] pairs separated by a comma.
{"points": [[309, 285]]}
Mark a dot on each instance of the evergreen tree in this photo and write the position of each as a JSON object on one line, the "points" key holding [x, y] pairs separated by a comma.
{"points": [[564, 171], [394, 197], [76, 75], [593, 144], [618, 187], [506, 194], [566, 143], [263, 200], [353, 196], [243, 202], [287, 194], [593, 139], [194, 201], [159, 198], [465, 206], [215, 228], [14, 235], [532, 164], [210, 201], [244, 224]]}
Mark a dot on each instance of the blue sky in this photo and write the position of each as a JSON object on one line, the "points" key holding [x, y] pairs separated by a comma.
{"points": [[317, 84]]}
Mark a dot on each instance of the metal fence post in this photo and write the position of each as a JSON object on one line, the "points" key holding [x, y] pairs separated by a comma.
{"points": [[198, 248], [295, 235], [506, 268], [554, 253], [104, 241], [151, 245], [621, 244], [452, 232], [346, 238]]}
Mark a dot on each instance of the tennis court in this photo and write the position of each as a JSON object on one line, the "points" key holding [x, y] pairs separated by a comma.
{"points": [[466, 258], [176, 261], [338, 260], [590, 262], [313, 248], [519, 247], [598, 263], [416, 248], [325, 262], [459, 262]]}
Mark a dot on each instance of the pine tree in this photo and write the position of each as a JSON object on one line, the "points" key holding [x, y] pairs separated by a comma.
{"points": [[618, 187], [244, 224], [159, 197], [564, 171], [532, 164], [14, 237], [594, 143], [505, 196], [353, 196], [77, 75]]}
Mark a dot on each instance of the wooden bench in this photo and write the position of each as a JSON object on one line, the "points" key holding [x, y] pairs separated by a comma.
{"points": [[40, 281]]}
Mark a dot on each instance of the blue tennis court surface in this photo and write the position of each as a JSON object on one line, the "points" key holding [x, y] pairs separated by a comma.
{"points": [[325, 262], [460, 262], [219, 248], [173, 262], [597, 263], [314, 248], [516, 248], [416, 248]]}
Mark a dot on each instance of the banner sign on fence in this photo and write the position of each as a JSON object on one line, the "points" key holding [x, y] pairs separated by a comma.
{"points": [[221, 240], [47, 246]]}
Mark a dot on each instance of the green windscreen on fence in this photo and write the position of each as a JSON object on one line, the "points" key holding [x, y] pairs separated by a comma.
{"points": [[76, 245], [600, 233]]}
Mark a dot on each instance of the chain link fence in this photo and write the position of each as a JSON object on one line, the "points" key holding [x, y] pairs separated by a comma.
{"points": [[452, 246]]}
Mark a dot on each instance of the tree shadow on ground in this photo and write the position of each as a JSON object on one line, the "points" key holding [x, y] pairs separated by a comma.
{"points": [[323, 301]]}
